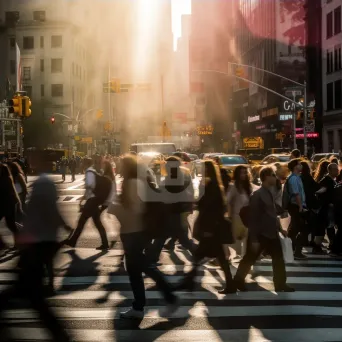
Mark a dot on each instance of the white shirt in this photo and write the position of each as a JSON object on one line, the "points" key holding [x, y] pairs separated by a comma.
{"points": [[90, 182]]}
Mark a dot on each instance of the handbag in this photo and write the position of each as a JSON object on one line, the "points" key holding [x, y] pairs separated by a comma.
{"points": [[240, 231], [286, 246]]}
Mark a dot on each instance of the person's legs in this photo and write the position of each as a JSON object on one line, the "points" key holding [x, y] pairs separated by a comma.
{"points": [[221, 257], [297, 230], [101, 229]]}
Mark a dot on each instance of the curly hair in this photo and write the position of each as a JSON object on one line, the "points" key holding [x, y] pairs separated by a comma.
{"points": [[242, 185]]}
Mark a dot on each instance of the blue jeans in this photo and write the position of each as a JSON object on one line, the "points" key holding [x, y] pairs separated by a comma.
{"points": [[176, 228], [137, 264]]}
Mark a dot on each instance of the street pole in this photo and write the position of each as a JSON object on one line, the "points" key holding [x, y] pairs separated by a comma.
{"points": [[305, 121], [294, 123], [162, 103]]}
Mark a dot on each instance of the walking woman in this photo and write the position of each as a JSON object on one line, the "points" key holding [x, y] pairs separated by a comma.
{"points": [[9, 200], [321, 171], [19, 182], [310, 188], [238, 197], [130, 213], [212, 207]]}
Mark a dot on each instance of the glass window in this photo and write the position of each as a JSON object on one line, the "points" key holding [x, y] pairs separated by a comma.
{"points": [[233, 160], [56, 90], [329, 23], [12, 17], [330, 96], [42, 65], [330, 62], [42, 90], [12, 43], [337, 20], [330, 140], [56, 41], [41, 42], [56, 65], [28, 90], [337, 58], [284, 159], [12, 66], [27, 73], [28, 43], [338, 94], [39, 15]]}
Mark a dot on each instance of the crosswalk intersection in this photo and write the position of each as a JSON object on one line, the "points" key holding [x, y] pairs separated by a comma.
{"points": [[93, 288]]}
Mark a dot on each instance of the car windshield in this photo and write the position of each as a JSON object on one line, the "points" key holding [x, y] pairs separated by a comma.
{"points": [[232, 160], [284, 159], [149, 158]]}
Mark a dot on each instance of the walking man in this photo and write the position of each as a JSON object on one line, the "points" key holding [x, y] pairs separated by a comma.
{"points": [[95, 196], [72, 167], [263, 234]]}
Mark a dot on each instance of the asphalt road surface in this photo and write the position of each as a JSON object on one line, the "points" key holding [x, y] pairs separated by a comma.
{"points": [[93, 287]]}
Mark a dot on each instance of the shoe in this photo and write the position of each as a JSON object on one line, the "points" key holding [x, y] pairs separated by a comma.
{"points": [[284, 288], [228, 290], [132, 314], [300, 256], [240, 285], [318, 250], [102, 248], [171, 308]]}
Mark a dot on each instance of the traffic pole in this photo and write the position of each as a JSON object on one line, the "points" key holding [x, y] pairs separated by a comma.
{"points": [[294, 123]]}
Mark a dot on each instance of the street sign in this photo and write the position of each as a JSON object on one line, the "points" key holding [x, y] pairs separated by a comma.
{"points": [[253, 142], [310, 126]]}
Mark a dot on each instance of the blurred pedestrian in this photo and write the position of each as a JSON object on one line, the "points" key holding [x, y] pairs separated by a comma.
{"points": [[64, 165], [321, 170], [108, 172], [19, 183], [212, 207], [72, 168], [10, 203], [38, 245], [295, 154]]}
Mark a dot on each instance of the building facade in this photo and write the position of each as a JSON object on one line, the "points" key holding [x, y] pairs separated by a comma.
{"points": [[332, 74]]}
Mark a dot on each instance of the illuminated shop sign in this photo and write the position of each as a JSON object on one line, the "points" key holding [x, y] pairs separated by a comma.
{"points": [[254, 118], [285, 117], [313, 135], [205, 130]]}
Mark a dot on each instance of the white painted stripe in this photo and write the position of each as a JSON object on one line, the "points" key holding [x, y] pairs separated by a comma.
{"points": [[75, 185], [205, 295], [198, 311], [213, 280], [243, 335]]}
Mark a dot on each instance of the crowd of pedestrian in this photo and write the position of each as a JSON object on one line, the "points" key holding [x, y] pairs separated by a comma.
{"points": [[244, 213]]}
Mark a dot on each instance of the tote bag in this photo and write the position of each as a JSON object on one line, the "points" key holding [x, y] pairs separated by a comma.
{"points": [[286, 246]]}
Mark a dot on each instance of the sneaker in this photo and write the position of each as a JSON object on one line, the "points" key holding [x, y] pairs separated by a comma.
{"points": [[318, 250], [170, 308], [300, 256], [228, 290], [284, 288], [132, 314], [240, 285]]}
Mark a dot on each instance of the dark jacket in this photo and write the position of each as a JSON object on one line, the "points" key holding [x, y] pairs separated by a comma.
{"points": [[8, 194], [263, 220], [310, 189]]}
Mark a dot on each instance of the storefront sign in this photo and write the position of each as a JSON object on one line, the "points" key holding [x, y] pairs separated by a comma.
{"points": [[269, 112], [260, 127], [205, 130], [313, 135], [254, 118], [285, 117], [253, 142]]}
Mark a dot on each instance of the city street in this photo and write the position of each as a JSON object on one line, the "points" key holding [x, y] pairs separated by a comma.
{"points": [[93, 287]]}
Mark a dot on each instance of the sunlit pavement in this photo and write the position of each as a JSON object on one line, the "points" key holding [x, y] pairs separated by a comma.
{"points": [[93, 287]]}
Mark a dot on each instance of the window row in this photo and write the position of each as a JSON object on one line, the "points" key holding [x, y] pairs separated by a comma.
{"points": [[334, 95], [28, 42], [56, 66], [333, 23], [11, 16], [334, 59], [56, 90]]}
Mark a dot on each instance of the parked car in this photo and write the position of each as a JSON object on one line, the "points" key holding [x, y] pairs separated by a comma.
{"points": [[231, 161], [276, 158], [316, 158]]}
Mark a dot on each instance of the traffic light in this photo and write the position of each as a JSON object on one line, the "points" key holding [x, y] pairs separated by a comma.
{"points": [[26, 106], [115, 85], [52, 120], [16, 105], [99, 114]]}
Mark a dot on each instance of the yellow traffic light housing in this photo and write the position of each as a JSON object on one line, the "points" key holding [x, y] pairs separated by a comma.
{"points": [[115, 85], [16, 105], [239, 72], [26, 106]]}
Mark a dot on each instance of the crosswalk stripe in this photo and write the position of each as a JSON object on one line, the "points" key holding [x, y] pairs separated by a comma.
{"points": [[251, 335], [197, 311]]}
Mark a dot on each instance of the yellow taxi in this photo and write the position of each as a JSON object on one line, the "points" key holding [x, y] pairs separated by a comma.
{"points": [[231, 161]]}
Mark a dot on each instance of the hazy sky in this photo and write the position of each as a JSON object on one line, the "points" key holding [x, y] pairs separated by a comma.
{"points": [[179, 7]]}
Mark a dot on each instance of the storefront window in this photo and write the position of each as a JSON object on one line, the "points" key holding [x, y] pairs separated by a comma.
{"points": [[330, 141]]}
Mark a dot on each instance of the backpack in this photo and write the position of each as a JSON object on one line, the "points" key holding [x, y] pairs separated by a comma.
{"points": [[103, 187], [286, 199]]}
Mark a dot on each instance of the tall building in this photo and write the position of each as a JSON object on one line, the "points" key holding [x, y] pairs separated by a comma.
{"points": [[332, 75], [58, 46], [211, 49], [272, 37]]}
